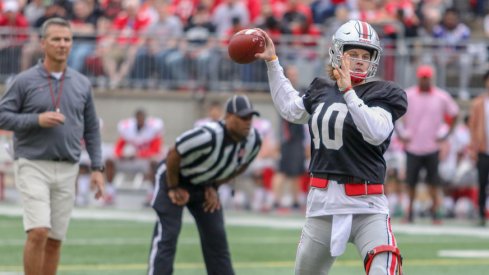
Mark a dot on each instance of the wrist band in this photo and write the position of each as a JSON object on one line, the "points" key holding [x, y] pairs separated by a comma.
{"points": [[274, 57], [346, 89]]}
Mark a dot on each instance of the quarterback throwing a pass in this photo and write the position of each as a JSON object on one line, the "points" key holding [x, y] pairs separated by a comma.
{"points": [[351, 121]]}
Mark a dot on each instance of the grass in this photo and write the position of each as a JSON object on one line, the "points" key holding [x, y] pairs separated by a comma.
{"points": [[121, 247]]}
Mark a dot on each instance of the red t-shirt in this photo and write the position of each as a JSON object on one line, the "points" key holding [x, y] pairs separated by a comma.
{"points": [[129, 28], [19, 26]]}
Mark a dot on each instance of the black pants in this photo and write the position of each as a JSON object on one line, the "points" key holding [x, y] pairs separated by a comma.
{"points": [[210, 226], [414, 164], [483, 170]]}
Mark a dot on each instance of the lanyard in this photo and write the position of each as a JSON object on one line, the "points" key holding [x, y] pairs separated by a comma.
{"points": [[56, 100]]}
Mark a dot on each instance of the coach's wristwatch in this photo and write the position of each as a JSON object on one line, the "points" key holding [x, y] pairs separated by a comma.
{"points": [[99, 169]]}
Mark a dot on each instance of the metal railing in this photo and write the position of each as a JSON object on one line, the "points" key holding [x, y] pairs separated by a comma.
{"points": [[190, 65]]}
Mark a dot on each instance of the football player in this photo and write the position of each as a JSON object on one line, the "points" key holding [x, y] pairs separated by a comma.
{"points": [[351, 120]]}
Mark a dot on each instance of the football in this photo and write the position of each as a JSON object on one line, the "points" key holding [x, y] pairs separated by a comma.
{"points": [[245, 44]]}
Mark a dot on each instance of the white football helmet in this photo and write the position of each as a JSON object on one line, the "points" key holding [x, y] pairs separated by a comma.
{"points": [[357, 34]]}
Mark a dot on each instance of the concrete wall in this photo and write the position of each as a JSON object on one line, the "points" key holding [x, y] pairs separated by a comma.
{"points": [[178, 110]]}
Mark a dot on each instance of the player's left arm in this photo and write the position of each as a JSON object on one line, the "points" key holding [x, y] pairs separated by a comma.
{"points": [[375, 120]]}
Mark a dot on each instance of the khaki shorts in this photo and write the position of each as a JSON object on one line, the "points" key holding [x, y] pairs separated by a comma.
{"points": [[47, 189]]}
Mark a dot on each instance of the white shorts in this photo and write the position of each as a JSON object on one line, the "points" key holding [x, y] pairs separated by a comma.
{"points": [[47, 189]]}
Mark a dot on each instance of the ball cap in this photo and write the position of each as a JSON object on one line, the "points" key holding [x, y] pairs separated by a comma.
{"points": [[424, 71], [241, 106]]}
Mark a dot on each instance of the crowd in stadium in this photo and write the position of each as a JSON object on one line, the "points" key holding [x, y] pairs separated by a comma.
{"points": [[169, 44]]}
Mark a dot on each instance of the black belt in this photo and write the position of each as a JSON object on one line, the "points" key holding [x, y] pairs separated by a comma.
{"points": [[61, 160], [341, 179]]}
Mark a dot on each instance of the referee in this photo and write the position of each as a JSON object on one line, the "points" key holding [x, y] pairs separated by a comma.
{"points": [[200, 161]]}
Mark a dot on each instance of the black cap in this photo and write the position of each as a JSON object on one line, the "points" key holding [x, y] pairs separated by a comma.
{"points": [[241, 106]]}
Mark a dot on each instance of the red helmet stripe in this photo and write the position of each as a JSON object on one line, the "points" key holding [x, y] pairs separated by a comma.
{"points": [[364, 30]]}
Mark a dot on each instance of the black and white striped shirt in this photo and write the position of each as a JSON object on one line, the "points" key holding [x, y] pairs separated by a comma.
{"points": [[208, 154]]}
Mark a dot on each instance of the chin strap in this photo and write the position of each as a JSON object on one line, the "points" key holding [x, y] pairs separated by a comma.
{"points": [[357, 78], [381, 249]]}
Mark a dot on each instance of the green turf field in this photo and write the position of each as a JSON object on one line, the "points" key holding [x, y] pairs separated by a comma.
{"points": [[121, 247]]}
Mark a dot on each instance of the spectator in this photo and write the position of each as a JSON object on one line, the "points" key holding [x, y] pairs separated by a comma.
{"points": [[184, 9], [111, 8], [309, 33], [55, 9], [94, 62], [14, 33], [161, 39], [123, 41], [370, 11], [48, 126], [404, 12], [430, 13], [452, 36], [254, 8], [294, 12], [224, 13], [201, 160], [421, 130], [34, 10], [322, 10], [197, 57], [150, 9], [139, 147], [268, 22], [84, 24], [279, 7], [479, 144], [66, 5]]}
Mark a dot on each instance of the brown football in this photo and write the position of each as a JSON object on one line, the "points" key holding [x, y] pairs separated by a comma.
{"points": [[245, 44]]}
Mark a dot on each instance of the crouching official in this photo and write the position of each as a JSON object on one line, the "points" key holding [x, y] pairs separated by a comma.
{"points": [[200, 161]]}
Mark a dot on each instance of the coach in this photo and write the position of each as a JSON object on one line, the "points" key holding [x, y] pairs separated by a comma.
{"points": [[201, 159], [50, 109]]}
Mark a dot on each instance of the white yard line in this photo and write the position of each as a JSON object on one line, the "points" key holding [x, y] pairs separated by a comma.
{"points": [[484, 254]]}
